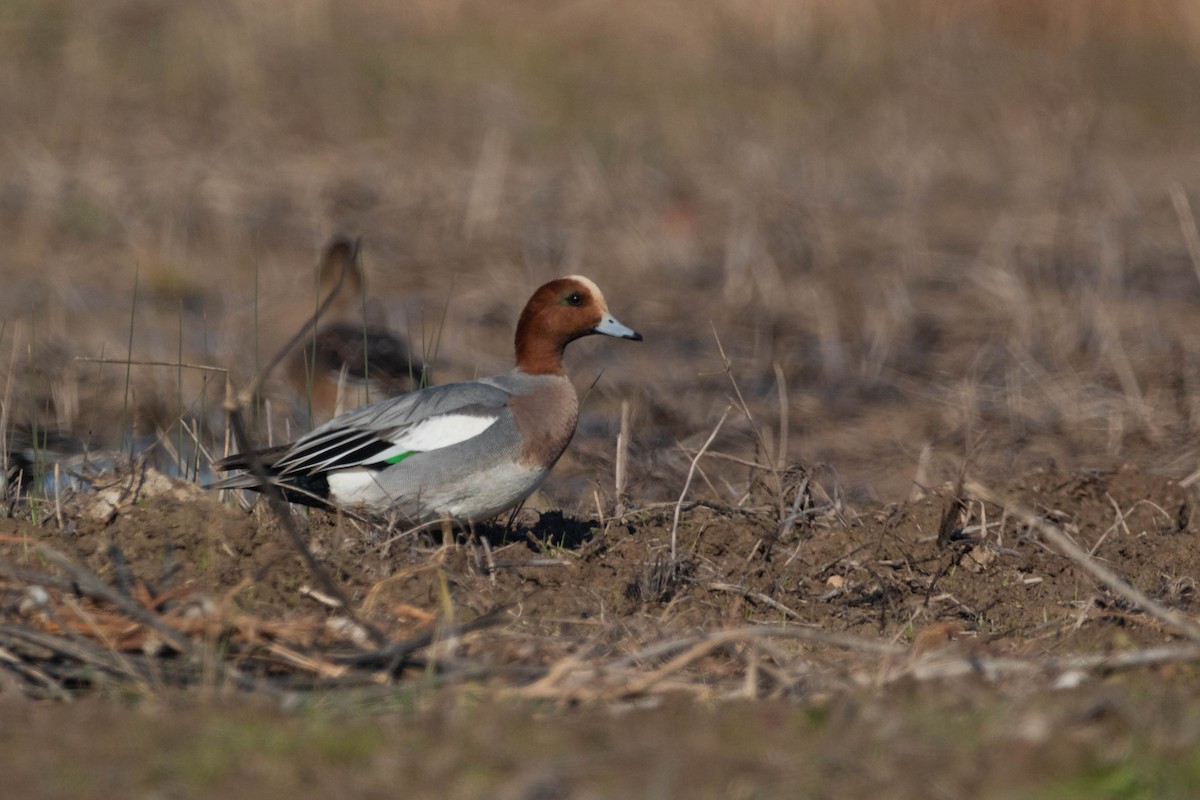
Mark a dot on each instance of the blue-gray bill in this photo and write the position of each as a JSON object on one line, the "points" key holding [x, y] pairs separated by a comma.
{"points": [[609, 326]]}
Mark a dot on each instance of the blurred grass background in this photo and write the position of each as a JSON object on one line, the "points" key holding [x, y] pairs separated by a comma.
{"points": [[950, 225]]}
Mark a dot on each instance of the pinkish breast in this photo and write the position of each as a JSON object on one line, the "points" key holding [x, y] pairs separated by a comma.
{"points": [[546, 420]]}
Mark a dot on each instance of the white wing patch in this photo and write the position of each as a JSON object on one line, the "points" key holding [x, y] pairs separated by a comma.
{"points": [[437, 432]]}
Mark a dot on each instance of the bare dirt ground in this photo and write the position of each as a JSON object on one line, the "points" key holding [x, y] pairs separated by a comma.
{"points": [[852, 655], [921, 286]]}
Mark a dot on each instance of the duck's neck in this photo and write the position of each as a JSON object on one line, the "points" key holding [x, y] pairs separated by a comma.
{"points": [[538, 344], [539, 355]]}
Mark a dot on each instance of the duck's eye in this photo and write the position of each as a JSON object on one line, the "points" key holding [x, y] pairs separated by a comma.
{"points": [[574, 299]]}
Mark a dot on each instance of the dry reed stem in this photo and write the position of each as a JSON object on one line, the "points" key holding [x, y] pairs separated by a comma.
{"points": [[621, 469], [743, 406], [372, 596], [118, 634], [280, 508], [5, 405], [122, 625], [92, 584], [143, 363], [82, 652], [752, 595], [745, 462], [18, 665], [1187, 223], [940, 667], [688, 483], [308, 663], [781, 385], [487, 183], [1067, 547], [393, 655], [574, 678]]}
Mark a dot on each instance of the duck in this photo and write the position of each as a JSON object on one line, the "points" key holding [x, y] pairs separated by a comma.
{"points": [[349, 357], [38, 458], [461, 452]]}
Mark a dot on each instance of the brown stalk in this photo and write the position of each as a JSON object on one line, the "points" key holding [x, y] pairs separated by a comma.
{"points": [[688, 483], [280, 507], [1060, 541]]}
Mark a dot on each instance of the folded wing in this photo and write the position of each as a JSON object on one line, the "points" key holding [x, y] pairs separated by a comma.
{"points": [[385, 433]]}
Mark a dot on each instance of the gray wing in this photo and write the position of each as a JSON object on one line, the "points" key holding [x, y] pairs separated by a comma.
{"points": [[390, 430]]}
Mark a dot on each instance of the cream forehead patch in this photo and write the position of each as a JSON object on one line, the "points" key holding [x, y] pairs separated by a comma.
{"points": [[590, 286]]}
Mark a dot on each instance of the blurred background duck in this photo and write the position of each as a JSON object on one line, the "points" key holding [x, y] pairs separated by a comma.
{"points": [[346, 355]]}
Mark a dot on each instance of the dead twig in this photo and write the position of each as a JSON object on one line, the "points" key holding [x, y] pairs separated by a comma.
{"points": [[1187, 224], [758, 597], [141, 363], [687, 484], [1066, 546], [623, 677], [280, 507], [394, 655], [91, 585], [939, 667], [621, 469]]}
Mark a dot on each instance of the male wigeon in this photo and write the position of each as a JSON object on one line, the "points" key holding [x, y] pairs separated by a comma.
{"points": [[463, 451], [350, 357]]}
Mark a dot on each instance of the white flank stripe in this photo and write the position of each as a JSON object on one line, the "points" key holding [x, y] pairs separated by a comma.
{"points": [[345, 485], [438, 432]]}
